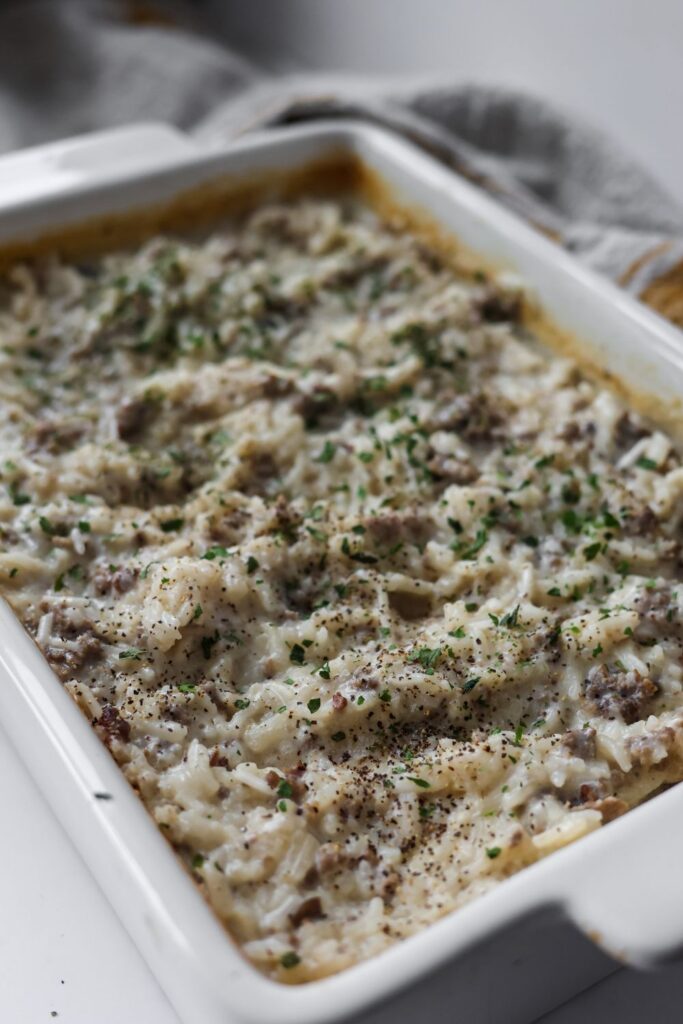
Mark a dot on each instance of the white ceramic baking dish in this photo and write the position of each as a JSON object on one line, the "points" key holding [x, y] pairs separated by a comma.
{"points": [[513, 953]]}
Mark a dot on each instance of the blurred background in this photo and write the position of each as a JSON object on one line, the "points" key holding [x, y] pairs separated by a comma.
{"points": [[616, 63]]}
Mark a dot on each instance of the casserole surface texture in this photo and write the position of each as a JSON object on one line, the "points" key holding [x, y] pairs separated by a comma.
{"points": [[374, 600]]}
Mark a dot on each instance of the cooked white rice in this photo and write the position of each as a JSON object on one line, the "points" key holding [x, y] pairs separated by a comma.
{"points": [[373, 601]]}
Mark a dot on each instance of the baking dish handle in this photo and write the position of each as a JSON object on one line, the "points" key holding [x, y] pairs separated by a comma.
{"points": [[628, 896], [71, 164]]}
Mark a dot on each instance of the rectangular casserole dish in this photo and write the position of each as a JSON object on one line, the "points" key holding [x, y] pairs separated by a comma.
{"points": [[533, 925]]}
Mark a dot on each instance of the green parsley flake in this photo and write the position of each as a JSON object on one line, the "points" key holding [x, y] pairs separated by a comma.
{"points": [[215, 552], [170, 525], [297, 654], [427, 657], [290, 959], [131, 654], [327, 454]]}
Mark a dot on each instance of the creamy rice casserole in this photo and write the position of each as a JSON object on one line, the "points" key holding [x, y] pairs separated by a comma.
{"points": [[374, 600]]}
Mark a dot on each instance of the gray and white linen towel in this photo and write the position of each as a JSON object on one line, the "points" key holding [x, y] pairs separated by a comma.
{"points": [[71, 67]]}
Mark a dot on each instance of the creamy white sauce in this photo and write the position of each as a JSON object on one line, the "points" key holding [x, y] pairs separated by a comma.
{"points": [[374, 602]]}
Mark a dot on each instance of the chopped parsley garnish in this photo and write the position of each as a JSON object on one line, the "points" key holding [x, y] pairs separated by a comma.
{"points": [[297, 654], [327, 454], [517, 740], [197, 611], [571, 493], [385, 696], [131, 653], [591, 551], [476, 545], [316, 534], [338, 736], [644, 463], [242, 703], [170, 525], [357, 556], [422, 340], [284, 789], [421, 783], [290, 959], [470, 684], [84, 526], [217, 551], [313, 704], [571, 520], [510, 618], [252, 565], [208, 643], [18, 498], [427, 657], [50, 529], [324, 670], [544, 461], [458, 633], [493, 851]]}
